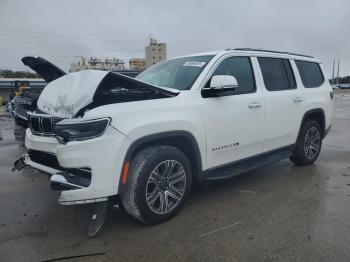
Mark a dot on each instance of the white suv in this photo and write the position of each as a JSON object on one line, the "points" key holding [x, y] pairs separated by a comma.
{"points": [[204, 116]]}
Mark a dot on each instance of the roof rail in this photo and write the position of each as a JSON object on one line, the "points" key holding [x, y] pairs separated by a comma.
{"points": [[267, 51]]}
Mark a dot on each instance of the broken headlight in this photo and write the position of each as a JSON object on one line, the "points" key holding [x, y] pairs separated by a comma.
{"points": [[73, 130]]}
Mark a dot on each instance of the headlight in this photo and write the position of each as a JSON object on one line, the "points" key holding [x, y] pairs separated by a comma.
{"points": [[68, 130]]}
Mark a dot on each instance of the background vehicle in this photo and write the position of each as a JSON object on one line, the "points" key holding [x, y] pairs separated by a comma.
{"points": [[206, 116], [344, 86]]}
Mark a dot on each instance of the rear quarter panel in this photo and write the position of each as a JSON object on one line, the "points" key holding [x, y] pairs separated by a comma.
{"points": [[319, 97]]}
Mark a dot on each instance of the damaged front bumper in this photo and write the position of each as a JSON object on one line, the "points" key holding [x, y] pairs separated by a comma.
{"points": [[59, 180], [84, 171], [19, 164]]}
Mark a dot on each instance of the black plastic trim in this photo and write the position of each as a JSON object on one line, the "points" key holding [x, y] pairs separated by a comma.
{"points": [[73, 182], [327, 131], [307, 113], [50, 160], [247, 164], [139, 143]]}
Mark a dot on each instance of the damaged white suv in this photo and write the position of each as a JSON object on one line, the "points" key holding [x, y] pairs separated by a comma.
{"points": [[205, 116]]}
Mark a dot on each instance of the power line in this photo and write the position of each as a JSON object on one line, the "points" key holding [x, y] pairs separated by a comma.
{"points": [[7, 52], [90, 38], [69, 36], [61, 46]]}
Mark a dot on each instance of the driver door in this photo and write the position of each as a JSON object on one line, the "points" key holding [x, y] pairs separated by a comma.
{"points": [[234, 123]]}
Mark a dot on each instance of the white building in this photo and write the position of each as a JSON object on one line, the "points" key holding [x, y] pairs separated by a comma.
{"points": [[155, 52], [107, 64]]}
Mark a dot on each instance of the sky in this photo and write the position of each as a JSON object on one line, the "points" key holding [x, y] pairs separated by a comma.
{"points": [[63, 30]]}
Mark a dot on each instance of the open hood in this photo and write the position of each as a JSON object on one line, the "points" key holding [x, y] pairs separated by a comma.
{"points": [[68, 95], [44, 68]]}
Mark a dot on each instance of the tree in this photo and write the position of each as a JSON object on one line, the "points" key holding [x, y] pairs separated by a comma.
{"points": [[7, 73]]}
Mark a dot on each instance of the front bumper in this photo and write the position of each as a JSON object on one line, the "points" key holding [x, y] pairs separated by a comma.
{"points": [[103, 156]]}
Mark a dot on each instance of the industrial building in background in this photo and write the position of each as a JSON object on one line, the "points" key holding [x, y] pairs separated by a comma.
{"points": [[137, 64], [155, 52], [113, 64]]}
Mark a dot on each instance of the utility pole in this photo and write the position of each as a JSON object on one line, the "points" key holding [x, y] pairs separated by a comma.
{"points": [[338, 72], [333, 80]]}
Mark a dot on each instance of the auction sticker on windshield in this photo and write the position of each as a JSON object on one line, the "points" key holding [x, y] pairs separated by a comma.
{"points": [[194, 63]]}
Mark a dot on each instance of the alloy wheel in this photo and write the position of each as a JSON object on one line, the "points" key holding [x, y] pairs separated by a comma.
{"points": [[312, 143], [165, 186]]}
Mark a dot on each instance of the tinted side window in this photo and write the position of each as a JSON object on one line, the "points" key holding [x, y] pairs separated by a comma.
{"points": [[310, 73], [241, 69], [277, 73]]}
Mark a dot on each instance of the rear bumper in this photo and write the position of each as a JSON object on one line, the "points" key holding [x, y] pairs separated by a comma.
{"points": [[102, 157]]}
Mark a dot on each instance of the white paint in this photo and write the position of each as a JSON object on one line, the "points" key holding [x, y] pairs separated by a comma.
{"points": [[65, 96], [214, 122]]}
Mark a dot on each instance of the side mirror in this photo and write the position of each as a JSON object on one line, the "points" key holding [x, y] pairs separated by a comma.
{"points": [[220, 85]]}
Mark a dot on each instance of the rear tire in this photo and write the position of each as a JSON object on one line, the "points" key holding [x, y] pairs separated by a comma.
{"points": [[308, 145], [158, 183]]}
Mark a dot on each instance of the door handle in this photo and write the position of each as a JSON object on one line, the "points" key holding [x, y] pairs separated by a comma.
{"points": [[254, 105], [298, 99]]}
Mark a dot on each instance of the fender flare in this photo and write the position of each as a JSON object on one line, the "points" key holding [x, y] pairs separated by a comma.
{"points": [[148, 139], [308, 113]]}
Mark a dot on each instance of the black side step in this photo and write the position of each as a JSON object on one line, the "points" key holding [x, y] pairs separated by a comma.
{"points": [[245, 165]]}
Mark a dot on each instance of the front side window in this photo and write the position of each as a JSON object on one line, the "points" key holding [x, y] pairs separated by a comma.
{"points": [[310, 73], [241, 69], [277, 73], [179, 73]]}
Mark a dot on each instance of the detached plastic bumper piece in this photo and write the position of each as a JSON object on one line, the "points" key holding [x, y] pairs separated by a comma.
{"points": [[19, 164], [67, 181]]}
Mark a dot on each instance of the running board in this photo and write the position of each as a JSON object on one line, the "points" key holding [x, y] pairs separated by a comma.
{"points": [[248, 164]]}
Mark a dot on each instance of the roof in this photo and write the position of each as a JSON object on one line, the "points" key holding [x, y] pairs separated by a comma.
{"points": [[258, 52]]}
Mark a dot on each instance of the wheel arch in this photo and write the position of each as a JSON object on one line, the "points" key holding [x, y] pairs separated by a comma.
{"points": [[182, 140], [316, 114]]}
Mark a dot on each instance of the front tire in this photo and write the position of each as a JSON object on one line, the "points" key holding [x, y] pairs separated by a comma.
{"points": [[158, 183], [308, 145]]}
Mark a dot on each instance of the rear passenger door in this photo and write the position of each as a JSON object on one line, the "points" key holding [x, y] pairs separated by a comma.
{"points": [[283, 103]]}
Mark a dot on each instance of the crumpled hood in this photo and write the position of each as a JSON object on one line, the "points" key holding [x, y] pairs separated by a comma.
{"points": [[65, 96]]}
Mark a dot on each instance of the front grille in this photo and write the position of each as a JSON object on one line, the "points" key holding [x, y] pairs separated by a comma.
{"points": [[42, 125], [50, 160]]}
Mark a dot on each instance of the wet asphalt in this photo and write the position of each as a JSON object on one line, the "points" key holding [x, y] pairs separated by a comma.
{"points": [[276, 213]]}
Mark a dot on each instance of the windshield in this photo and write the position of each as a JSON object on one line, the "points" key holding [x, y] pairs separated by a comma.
{"points": [[179, 73]]}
